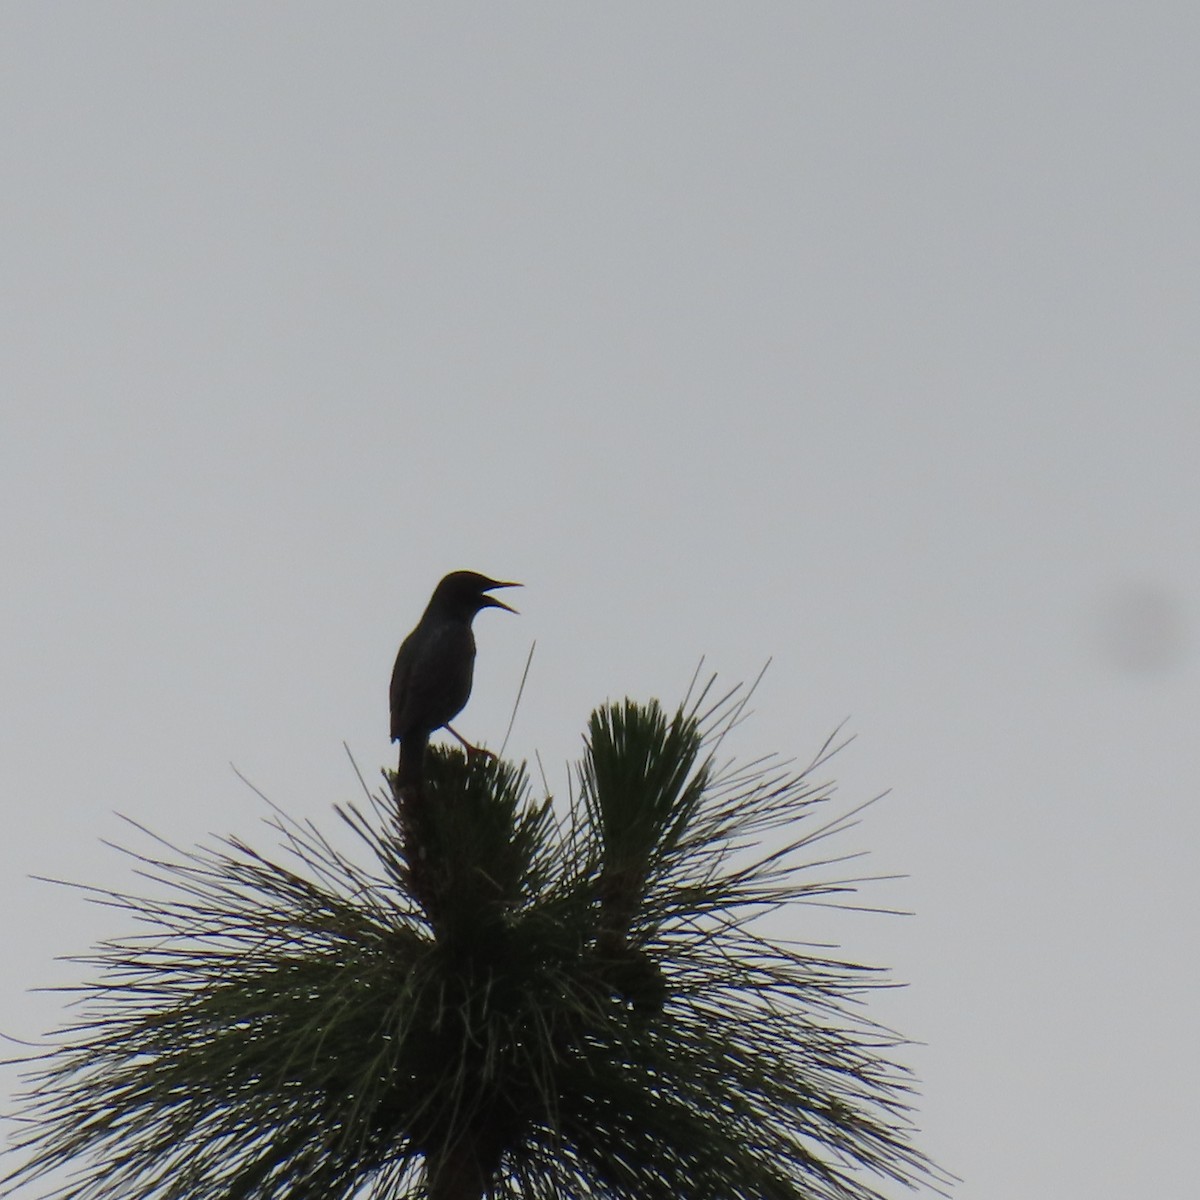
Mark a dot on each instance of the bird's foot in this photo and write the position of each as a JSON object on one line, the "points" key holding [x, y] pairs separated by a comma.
{"points": [[473, 752]]}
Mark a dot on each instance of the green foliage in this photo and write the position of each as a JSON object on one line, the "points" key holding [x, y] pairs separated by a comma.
{"points": [[544, 1004]]}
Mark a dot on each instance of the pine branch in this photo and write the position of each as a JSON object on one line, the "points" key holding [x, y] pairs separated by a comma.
{"points": [[494, 997]]}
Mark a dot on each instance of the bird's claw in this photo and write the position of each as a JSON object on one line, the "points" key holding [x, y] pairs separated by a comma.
{"points": [[473, 752]]}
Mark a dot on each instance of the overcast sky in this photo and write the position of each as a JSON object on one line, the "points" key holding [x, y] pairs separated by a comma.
{"points": [[860, 336]]}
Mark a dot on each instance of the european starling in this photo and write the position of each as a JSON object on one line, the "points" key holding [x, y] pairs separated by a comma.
{"points": [[431, 681]]}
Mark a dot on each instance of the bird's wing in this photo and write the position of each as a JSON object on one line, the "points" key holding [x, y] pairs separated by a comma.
{"points": [[431, 681], [398, 690]]}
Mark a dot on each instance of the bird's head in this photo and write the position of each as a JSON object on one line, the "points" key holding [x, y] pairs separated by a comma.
{"points": [[463, 593]]}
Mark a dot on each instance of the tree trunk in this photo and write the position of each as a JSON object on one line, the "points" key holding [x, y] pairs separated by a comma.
{"points": [[457, 1174]]}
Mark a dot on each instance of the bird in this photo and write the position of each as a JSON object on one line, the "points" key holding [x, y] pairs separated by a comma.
{"points": [[431, 681]]}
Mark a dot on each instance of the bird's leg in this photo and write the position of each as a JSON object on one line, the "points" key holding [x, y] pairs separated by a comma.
{"points": [[472, 751]]}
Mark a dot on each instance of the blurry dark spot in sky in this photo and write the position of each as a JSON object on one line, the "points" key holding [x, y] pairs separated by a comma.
{"points": [[1142, 629]]}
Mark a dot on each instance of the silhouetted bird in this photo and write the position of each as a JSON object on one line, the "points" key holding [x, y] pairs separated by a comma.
{"points": [[431, 681]]}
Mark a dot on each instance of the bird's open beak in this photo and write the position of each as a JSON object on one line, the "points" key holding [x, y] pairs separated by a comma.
{"points": [[492, 602]]}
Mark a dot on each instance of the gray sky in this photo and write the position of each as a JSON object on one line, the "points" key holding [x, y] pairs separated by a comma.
{"points": [[862, 336]]}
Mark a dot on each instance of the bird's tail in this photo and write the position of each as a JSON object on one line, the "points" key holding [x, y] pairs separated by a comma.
{"points": [[412, 759]]}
